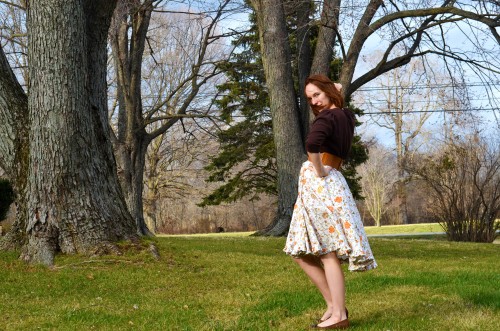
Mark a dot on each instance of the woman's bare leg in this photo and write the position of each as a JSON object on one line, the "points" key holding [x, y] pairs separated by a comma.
{"points": [[313, 269], [336, 284]]}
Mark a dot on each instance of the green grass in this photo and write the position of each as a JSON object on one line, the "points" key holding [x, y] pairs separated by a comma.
{"points": [[247, 283], [404, 229], [370, 230]]}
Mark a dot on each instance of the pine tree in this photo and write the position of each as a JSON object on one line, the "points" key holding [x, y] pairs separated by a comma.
{"points": [[246, 162]]}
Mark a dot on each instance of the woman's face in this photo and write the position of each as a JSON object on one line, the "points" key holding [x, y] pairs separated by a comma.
{"points": [[317, 98]]}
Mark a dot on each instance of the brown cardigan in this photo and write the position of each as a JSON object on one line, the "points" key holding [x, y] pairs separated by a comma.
{"points": [[332, 131]]}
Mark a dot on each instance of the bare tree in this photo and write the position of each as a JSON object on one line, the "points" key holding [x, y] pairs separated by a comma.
{"points": [[402, 103], [14, 38], [179, 185], [169, 170], [14, 131], [180, 67], [378, 175], [463, 177]]}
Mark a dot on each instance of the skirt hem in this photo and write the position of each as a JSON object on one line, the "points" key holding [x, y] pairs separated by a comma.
{"points": [[367, 264]]}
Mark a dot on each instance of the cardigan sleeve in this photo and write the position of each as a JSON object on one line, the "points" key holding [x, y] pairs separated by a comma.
{"points": [[321, 128]]}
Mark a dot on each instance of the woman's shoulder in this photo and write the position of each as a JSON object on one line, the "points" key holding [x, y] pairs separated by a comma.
{"points": [[340, 116], [348, 112], [336, 112]]}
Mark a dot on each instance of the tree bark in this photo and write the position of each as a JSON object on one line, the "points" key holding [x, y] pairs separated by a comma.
{"points": [[400, 155], [290, 154], [304, 59], [152, 183], [74, 201], [362, 32], [132, 140], [323, 53], [14, 148]]}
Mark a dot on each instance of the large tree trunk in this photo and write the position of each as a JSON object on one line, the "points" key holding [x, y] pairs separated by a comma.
{"points": [[74, 201], [290, 153]]}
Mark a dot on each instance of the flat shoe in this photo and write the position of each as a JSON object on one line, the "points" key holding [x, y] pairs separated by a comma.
{"points": [[321, 320], [344, 324]]}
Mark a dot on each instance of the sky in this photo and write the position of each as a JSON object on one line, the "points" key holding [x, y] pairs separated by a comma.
{"points": [[484, 103], [488, 117], [478, 96]]}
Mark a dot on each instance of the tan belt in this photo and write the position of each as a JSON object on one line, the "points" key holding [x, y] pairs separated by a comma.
{"points": [[331, 160]]}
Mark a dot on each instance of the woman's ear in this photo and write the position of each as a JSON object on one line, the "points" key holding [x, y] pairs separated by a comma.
{"points": [[338, 86]]}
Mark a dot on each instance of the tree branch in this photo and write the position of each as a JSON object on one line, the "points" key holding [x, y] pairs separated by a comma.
{"points": [[492, 23], [360, 35], [13, 4]]}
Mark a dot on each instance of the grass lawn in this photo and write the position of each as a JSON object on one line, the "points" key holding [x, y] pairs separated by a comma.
{"points": [[406, 229], [239, 282], [370, 230]]}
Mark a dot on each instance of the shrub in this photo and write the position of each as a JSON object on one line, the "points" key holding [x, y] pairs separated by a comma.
{"points": [[464, 187]]}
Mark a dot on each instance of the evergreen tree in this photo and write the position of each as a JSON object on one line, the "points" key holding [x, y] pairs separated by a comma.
{"points": [[246, 162]]}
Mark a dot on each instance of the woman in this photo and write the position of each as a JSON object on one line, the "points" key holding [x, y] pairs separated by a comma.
{"points": [[326, 229]]}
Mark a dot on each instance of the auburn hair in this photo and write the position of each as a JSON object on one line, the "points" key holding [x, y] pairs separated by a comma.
{"points": [[326, 85]]}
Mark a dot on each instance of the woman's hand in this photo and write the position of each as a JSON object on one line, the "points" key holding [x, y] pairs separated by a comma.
{"points": [[325, 171], [322, 172]]}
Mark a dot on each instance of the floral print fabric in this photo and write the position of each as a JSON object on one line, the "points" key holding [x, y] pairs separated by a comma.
{"points": [[325, 219]]}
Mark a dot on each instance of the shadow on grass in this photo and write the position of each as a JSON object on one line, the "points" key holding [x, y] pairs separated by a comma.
{"points": [[490, 299], [276, 306]]}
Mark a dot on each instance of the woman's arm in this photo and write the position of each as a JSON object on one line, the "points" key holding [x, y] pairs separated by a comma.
{"points": [[319, 168]]}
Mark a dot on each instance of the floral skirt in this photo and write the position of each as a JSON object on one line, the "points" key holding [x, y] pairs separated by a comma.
{"points": [[325, 220]]}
